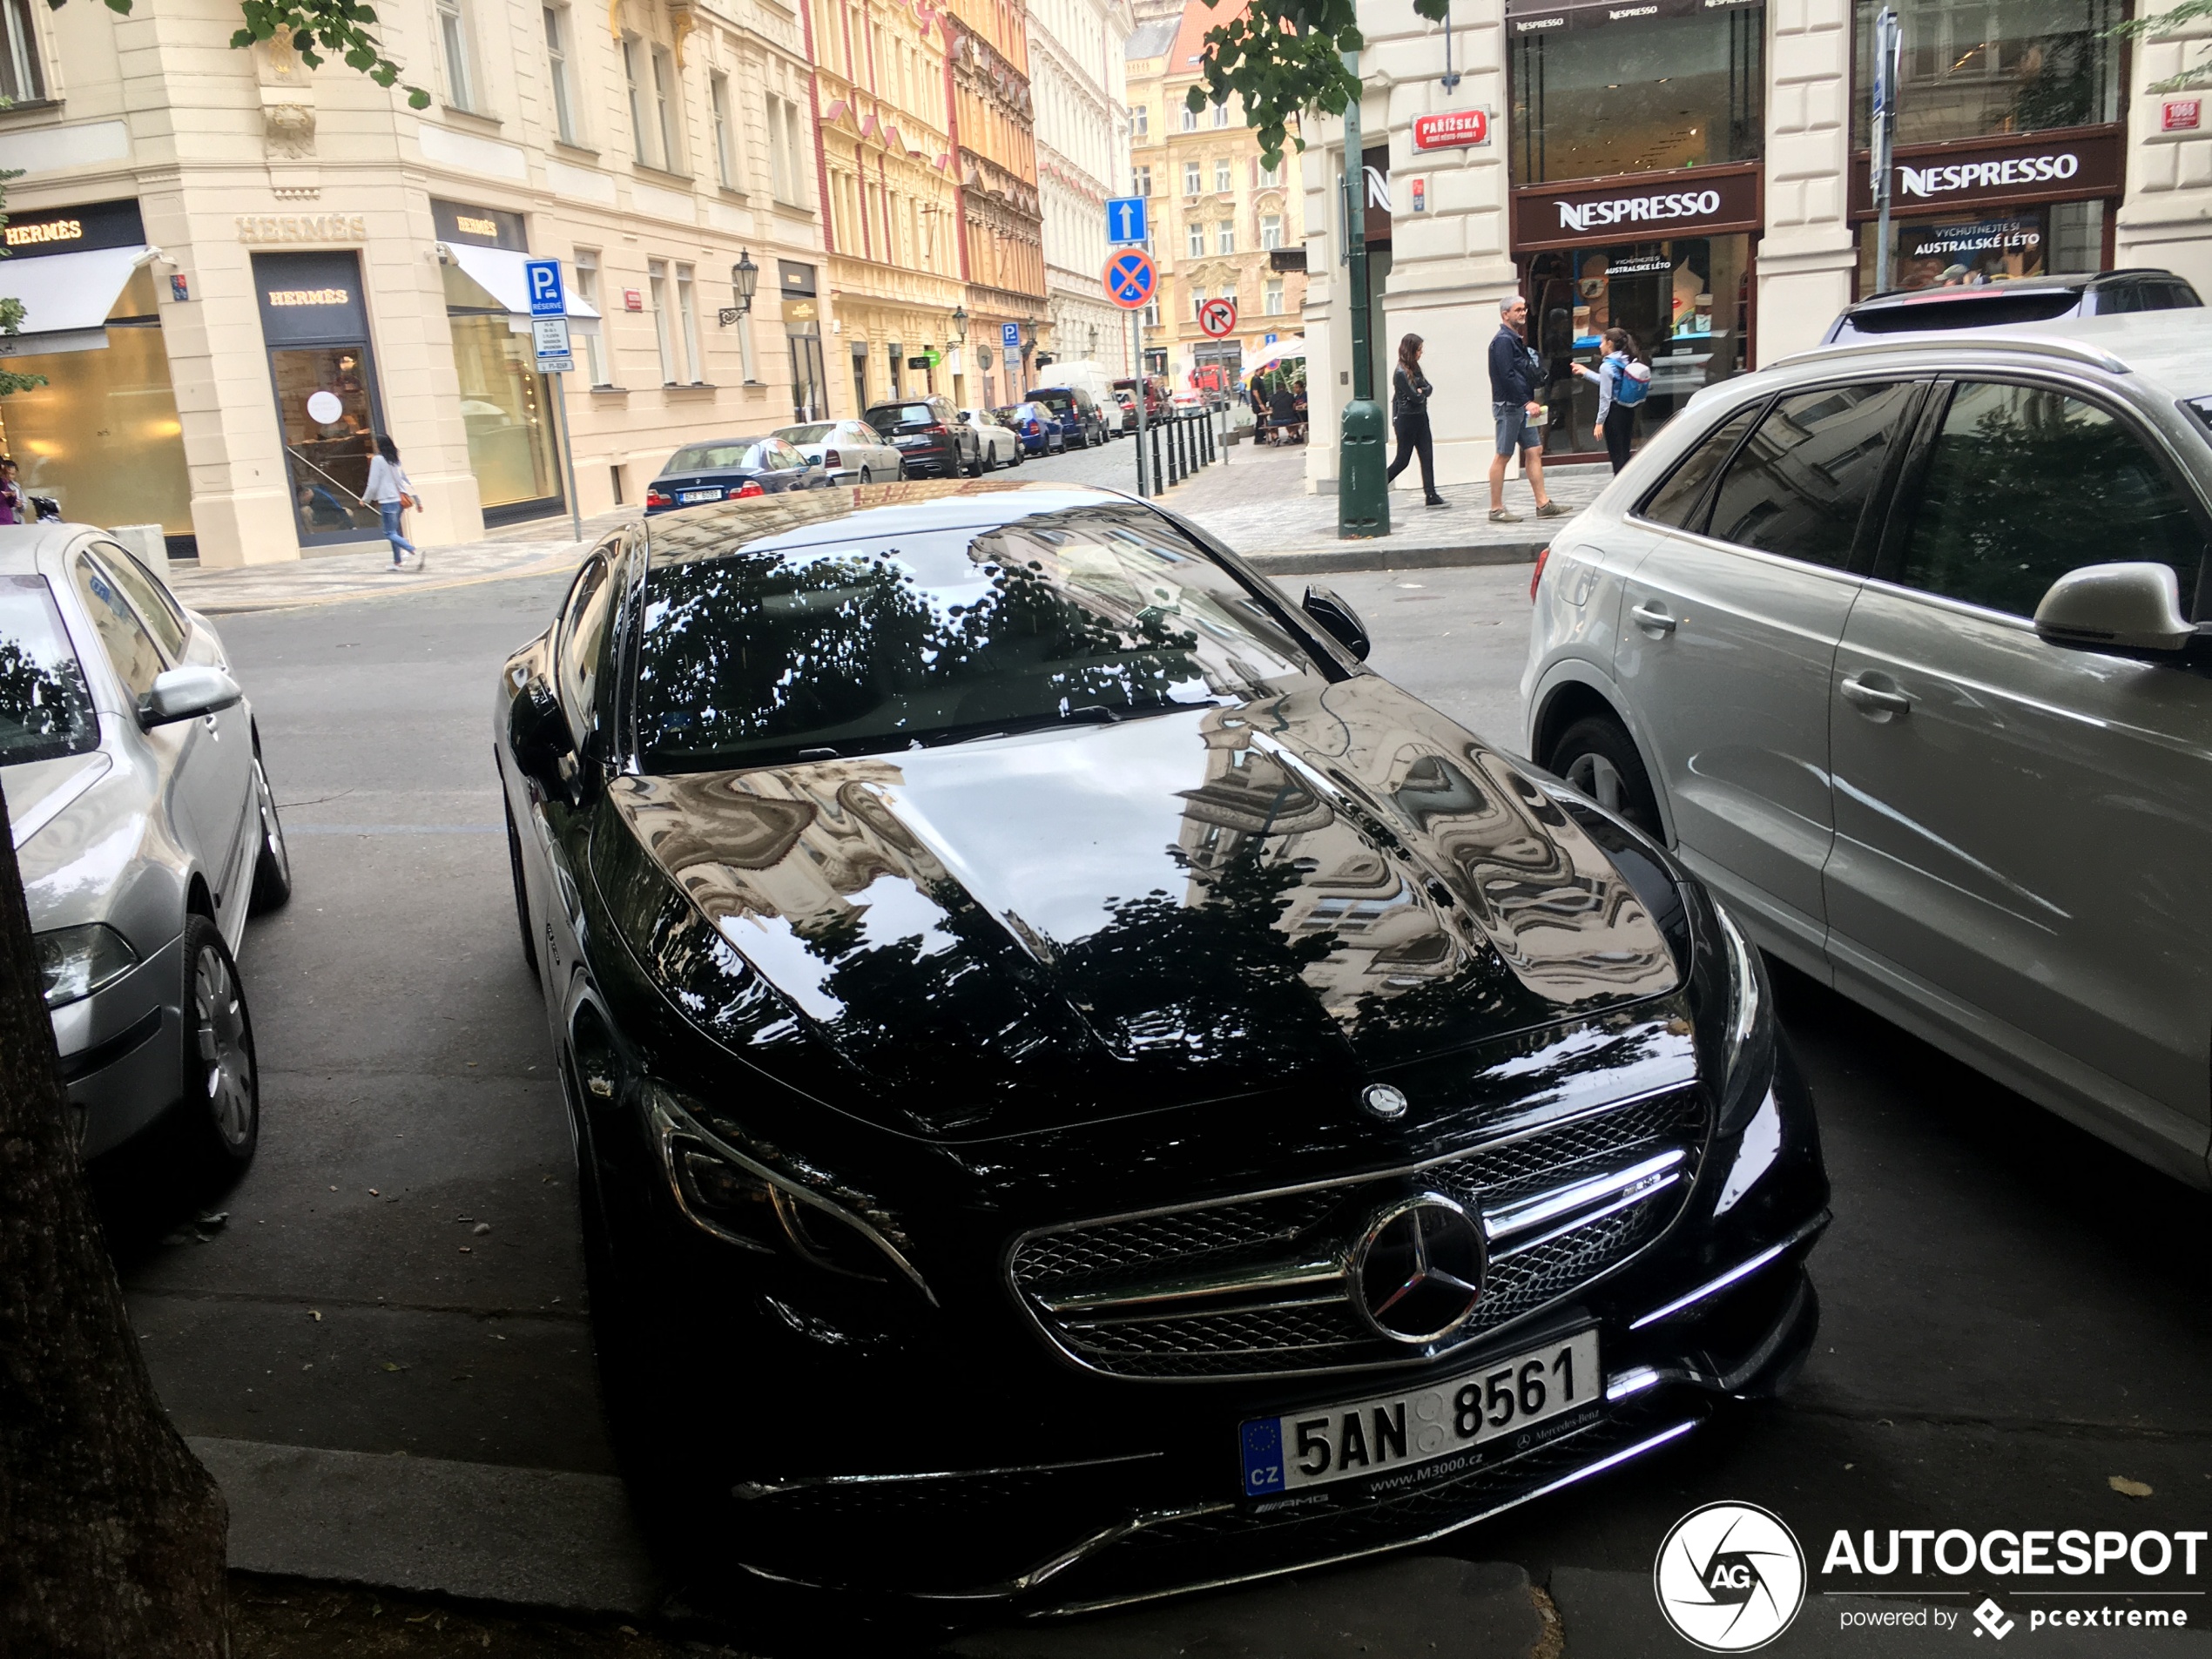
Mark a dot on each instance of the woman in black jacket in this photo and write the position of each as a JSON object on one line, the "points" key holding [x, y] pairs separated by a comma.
{"points": [[1409, 414]]}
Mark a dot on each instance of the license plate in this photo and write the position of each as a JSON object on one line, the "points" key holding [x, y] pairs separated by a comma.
{"points": [[1385, 1434], [909, 443], [687, 496]]}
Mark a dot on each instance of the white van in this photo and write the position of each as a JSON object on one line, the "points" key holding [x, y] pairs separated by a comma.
{"points": [[1081, 375]]}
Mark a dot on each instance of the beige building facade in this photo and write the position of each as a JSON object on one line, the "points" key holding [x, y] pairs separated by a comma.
{"points": [[1078, 75], [237, 271]]}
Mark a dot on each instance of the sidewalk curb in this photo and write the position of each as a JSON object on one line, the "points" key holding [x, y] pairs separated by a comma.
{"points": [[1380, 556], [549, 564]]}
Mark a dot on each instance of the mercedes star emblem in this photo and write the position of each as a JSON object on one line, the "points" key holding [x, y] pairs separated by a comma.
{"points": [[1417, 1272], [1384, 1100]]}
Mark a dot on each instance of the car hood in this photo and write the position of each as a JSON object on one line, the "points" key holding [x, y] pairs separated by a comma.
{"points": [[1034, 931], [39, 791]]}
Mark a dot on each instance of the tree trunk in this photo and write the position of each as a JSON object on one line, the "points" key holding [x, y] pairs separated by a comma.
{"points": [[112, 1534]]}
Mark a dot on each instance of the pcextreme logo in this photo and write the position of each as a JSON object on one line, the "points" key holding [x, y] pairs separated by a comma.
{"points": [[1729, 1577]]}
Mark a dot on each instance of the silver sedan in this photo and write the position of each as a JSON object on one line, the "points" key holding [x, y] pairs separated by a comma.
{"points": [[147, 833], [852, 452]]}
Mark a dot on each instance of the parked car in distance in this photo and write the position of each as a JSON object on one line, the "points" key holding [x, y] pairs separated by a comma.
{"points": [[1080, 375], [1001, 447], [1127, 401], [1896, 645], [1036, 426], [850, 452], [992, 938], [929, 436], [731, 470], [1081, 421], [145, 831], [2021, 299], [1156, 394]]}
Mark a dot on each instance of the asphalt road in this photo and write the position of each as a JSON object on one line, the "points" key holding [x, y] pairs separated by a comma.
{"points": [[2012, 1313]]}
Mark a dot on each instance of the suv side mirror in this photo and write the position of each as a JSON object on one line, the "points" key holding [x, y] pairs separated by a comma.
{"points": [[184, 693], [537, 734], [2134, 606], [1340, 621]]}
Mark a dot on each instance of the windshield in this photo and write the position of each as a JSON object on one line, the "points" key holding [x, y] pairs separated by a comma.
{"points": [[901, 414], [712, 457], [45, 707], [1092, 614], [1056, 399], [813, 434]]}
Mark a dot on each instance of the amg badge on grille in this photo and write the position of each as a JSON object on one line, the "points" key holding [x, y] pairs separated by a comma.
{"points": [[1417, 1271]]}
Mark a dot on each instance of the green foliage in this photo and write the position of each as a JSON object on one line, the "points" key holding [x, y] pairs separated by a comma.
{"points": [[2167, 23], [1286, 57], [321, 29]]}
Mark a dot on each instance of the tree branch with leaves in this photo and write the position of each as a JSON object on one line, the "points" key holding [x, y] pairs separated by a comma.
{"points": [[321, 29], [2167, 23]]}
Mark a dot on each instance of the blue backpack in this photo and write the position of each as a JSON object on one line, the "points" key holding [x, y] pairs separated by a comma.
{"points": [[1631, 380]]}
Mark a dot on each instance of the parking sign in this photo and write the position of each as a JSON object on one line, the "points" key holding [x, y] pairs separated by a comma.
{"points": [[543, 277], [1010, 336]]}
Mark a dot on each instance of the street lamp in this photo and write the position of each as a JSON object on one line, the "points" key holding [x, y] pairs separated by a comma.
{"points": [[745, 279], [958, 330]]}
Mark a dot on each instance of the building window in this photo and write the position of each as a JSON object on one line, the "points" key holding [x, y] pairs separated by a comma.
{"points": [[641, 130], [1140, 121], [1144, 181], [657, 280], [784, 149], [1198, 301], [1193, 180], [668, 109], [1152, 312], [1225, 236], [1270, 231], [586, 288], [453, 45], [687, 317], [1272, 297], [1643, 96], [22, 79], [1271, 177], [1189, 120], [726, 136], [1997, 66], [1221, 178], [1221, 115], [558, 69], [1194, 240]]}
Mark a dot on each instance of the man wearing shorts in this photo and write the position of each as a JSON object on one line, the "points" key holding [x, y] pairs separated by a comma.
{"points": [[1515, 372]]}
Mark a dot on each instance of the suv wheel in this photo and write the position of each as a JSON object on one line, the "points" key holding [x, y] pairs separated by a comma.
{"points": [[1599, 758]]}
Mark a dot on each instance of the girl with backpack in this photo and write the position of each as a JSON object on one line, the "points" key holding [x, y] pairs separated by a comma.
{"points": [[1623, 378]]}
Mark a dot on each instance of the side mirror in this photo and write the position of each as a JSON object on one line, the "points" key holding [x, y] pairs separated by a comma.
{"points": [[538, 734], [184, 693], [1340, 621], [2135, 606]]}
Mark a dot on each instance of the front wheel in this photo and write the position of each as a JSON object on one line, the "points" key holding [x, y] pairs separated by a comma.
{"points": [[272, 864], [221, 1081], [1599, 758], [867, 477], [990, 458], [521, 893]]}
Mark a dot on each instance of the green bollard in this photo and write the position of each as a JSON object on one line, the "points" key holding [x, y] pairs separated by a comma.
{"points": [[1363, 492]]}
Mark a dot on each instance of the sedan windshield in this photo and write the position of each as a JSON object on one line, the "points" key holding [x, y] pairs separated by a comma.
{"points": [[1093, 614], [712, 457], [813, 434], [45, 707]]}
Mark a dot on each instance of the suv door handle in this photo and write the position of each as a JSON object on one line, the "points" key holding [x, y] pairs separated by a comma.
{"points": [[1873, 699], [1653, 618]]}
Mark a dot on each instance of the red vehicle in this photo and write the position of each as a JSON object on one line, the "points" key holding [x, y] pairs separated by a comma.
{"points": [[1156, 394]]}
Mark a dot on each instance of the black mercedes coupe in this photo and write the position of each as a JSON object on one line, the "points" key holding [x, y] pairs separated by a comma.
{"points": [[1082, 1089]]}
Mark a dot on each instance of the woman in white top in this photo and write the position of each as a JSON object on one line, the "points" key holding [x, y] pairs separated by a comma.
{"points": [[389, 491]]}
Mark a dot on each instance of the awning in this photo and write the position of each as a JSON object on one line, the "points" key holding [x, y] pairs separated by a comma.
{"points": [[66, 297], [498, 273], [1273, 354]]}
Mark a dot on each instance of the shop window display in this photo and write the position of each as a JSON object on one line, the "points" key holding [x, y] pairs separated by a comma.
{"points": [[1973, 69], [1968, 247], [504, 410]]}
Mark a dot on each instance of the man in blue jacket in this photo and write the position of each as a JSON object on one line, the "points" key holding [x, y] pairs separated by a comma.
{"points": [[1516, 375]]}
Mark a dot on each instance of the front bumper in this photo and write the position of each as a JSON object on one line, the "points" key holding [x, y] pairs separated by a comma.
{"points": [[121, 1051]]}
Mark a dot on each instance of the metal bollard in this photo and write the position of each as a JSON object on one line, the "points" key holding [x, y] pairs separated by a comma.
{"points": [[1174, 450], [1157, 475]]}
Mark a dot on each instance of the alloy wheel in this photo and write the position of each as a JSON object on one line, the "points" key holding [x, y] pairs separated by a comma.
{"points": [[219, 1032], [1599, 779]]}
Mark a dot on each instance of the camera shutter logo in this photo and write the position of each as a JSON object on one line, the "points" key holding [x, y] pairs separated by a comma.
{"points": [[1729, 1577]]}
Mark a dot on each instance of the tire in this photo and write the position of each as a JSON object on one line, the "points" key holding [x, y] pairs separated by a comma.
{"points": [[1599, 758], [522, 894], [867, 477], [272, 864], [902, 469], [220, 1108], [988, 459]]}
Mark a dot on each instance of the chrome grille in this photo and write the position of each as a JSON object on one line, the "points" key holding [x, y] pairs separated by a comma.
{"points": [[1256, 1287]]}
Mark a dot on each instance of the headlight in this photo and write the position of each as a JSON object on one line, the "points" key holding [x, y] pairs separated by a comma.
{"points": [[74, 962], [1745, 1046], [739, 1199]]}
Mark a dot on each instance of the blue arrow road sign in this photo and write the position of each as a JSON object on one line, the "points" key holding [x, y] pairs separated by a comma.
{"points": [[1125, 219], [543, 277], [1010, 336], [1131, 279]]}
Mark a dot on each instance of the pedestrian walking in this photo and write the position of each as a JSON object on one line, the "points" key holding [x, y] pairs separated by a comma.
{"points": [[1409, 396], [1623, 378], [1516, 375], [391, 494]]}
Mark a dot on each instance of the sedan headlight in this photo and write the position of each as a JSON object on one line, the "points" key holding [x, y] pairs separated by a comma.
{"points": [[739, 1199], [1745, 1045], [74, 962]]}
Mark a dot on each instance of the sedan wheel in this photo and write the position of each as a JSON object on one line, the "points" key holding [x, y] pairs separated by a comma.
{"points": [[867, 477], [989, 461], [222, 1088], [273, 865]]}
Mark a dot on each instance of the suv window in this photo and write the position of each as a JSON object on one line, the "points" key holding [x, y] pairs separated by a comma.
{"points": [[886, 416], [1677, 500], [2025, 483], [1801, 484], [128, 646]]}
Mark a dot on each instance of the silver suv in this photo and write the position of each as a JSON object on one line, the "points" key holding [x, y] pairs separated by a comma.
{"points": [[1896, 644]]}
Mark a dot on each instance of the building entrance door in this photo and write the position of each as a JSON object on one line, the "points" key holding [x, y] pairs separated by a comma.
{"points": [[320, 369]]}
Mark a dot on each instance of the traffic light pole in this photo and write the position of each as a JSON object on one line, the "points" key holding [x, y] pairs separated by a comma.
{"points": [[1363, 491]]}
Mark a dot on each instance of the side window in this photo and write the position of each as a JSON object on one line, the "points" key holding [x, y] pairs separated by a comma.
{"points": [[1799, 486], [128, 646], [580, 651], [154, 606], [2025, 483], [1677, 500]]}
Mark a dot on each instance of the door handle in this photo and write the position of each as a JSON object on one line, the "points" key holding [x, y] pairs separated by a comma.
{"points": [[1653, 618], [1873, 699]]}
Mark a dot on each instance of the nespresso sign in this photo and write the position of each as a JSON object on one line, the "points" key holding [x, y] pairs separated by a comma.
{"points": [[1704, 202], [2063, 166], [1537, 17]]}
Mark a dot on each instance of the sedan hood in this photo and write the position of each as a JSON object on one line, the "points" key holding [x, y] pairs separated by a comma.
{"points": [[1031, 932]]}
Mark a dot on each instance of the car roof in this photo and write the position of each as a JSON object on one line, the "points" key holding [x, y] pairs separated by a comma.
{"points": [[868, 513], [21, 545], [2060, 282]]}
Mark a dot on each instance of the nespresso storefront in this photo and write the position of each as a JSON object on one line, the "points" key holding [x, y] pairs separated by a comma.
{"points": [[1635, 140]]}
